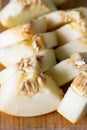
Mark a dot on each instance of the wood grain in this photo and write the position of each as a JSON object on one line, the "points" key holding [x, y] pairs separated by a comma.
{"points": [[52, 121]]}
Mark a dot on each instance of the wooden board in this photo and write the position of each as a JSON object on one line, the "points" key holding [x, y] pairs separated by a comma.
{"points": [[52, 121]]}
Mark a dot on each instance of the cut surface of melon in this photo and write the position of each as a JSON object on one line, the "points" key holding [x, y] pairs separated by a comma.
{"points": [[73, 106], [63, 72], [15, 102], [71, 32], [13, 54], [16, 12], [75, 46]]}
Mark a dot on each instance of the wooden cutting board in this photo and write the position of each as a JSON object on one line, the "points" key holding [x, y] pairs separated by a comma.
{"points": [[50, 121]]}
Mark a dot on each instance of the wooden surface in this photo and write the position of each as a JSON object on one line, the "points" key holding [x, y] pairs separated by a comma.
{"points": [[52, 121]]}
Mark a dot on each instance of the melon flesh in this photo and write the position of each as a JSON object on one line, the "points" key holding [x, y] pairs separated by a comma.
{"points": [[73, 107], [13, 103], [75, 46], [63, 72], [15, 12]]}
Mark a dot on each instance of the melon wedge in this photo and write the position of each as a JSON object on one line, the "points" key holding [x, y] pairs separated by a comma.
{"points": [[29, 93], [15, 53], [75, 46], [63, 72], [71, 31], [74, 104], [19, 11], [26, 32]]}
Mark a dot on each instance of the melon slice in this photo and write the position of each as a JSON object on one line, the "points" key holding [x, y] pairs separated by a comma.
{"points": [[15, 53], [63, 72], [66, 70], [26, 32], [75, 46], [71, 31], [29, 91], [74, 104], [19, 11]]}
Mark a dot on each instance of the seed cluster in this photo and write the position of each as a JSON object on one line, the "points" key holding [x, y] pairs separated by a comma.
{"points": [[35, 80], [80, 84], [79, 61], [31, 88]]}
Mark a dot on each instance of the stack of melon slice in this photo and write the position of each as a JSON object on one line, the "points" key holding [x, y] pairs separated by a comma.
{"points": [[29, 49]]}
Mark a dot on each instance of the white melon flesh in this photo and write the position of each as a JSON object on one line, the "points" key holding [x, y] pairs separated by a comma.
{"points": [[71, 32], [63, 72], [65, 51], [57, 18], [48, 59], [27, 30], [13, 103], [13, 54], [73, 106], [16, 12], [9, 37], [22, 32], [7, 73], [19, 34], [50, 39], [12, 5], [39, 25]]}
